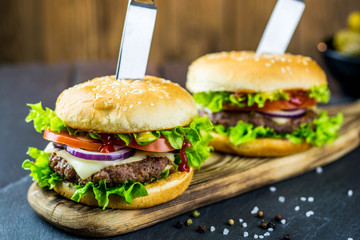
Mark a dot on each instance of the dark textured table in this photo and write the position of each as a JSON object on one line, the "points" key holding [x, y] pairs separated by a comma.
{"points": [[336, 214]]}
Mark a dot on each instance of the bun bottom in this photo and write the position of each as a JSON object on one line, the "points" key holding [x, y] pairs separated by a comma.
{"points": [[260, 147], [160, 191]]}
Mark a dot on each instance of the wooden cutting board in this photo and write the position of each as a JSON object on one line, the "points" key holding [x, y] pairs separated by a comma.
{"points": [[238, 174]]}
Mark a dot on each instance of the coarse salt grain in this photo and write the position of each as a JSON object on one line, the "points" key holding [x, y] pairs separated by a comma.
{"points": [[283, 221], [310, 199], [266, 234], [319, 170], [240, 220], [272, 189], [350, 193], [297, 208], [244, 224], [270, 229], [309, 213], [303, 199], [246, 234], [226, 231], [212, 228], [261, 236], [281, 199], [255, 210], [256, 236]]}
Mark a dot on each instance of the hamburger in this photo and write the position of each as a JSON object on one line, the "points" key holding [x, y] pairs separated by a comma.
{"points": [[124, 144], [262, 105]]}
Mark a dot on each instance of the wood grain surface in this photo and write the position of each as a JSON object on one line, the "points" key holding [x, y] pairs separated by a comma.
{"points": [[58, 30], [221, 177]]}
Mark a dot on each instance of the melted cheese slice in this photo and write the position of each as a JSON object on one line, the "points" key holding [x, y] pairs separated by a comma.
{"points": [[85, 168], [280, 120]]}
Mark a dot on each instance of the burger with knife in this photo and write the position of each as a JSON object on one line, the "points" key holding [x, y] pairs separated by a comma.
{"points": [[263, 105], [124, 144]]}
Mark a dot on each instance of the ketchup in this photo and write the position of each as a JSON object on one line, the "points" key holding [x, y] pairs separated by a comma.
{"points": [[183, 166], [107, 146]]}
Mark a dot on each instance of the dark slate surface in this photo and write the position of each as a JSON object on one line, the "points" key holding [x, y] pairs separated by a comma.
{"points": [[336, 215]]}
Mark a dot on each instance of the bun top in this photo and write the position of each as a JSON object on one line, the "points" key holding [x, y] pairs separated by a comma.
{"points": [[245, 71], [125, 106]]}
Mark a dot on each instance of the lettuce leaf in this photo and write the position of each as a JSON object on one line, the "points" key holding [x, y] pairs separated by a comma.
{"points": [[128, 190], [44, 118], [322, 130], [214, 100], [40, 170]]}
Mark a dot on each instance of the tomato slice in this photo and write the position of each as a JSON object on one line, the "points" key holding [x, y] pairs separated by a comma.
{"points": [[297, 100], [72, 141], [159, 145]]}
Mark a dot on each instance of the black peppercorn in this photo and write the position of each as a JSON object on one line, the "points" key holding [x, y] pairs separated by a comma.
{"points": [[271, 224], [264, 224], [287, 237], [201, 229], [278, 217], [179, 224]]}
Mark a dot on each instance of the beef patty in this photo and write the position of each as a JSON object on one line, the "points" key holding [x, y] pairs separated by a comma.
{"points": [[231, 118], [140, 171]]}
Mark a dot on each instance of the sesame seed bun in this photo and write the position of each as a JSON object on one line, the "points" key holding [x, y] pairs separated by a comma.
{"points": [[245, 71], [160, 191], [125, 106], [260, 147]]}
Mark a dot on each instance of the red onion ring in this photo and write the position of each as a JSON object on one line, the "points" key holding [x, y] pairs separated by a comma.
{"points": [[123, 153], [286, 114]]}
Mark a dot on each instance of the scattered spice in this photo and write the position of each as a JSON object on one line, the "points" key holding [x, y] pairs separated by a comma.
{"points": [[278, 217], [264, 224], [266, 234], [212, 229], [309, 213], [201, 228], [246, 234], [272, 189], [256, 236], [260, 214], [179, 224], [297, 208], [319, 170], [244, 224], [231, 222], [310, 199], [303, 199], [350, 193], [189, 222], [270, 229], [195, 213], [271, 224], [226, 231], [283, 221], [255, 210], [287, 237], [281, 199], [240, 220]]}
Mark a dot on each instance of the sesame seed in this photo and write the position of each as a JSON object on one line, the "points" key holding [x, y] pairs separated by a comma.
{"points": [[131, 106], [297, 208], [244, 224], [212, 228], [255, 210], [246, 234], [303, 199], [270, 229], [240, 220], [319, 170], [272, 189], [283, 221], [151, 104], [266, 234], [267, 64], [283, 70], [309, 213], [226, 231], [139, 102], [281, 199], [350, 193], [310, 199]]}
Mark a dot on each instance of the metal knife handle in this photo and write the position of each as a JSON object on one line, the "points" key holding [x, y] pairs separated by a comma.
{"points": [[136, 39]]}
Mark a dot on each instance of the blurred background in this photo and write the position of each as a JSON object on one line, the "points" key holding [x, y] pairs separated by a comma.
{"points": [[68, 30]]}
